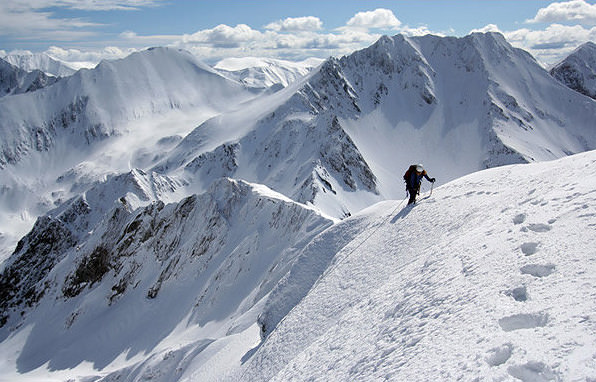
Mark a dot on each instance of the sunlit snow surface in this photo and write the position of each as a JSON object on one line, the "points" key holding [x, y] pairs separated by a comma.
{"points": [[492, 277]]}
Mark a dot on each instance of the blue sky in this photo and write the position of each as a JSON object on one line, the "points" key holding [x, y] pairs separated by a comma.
{"points": [[89, 30]]}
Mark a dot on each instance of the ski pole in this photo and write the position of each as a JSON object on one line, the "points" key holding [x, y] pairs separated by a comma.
{"points": [[432, 184]]}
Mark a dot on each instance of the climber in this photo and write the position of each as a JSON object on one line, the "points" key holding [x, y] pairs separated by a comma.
{"points": [[413, 178]]}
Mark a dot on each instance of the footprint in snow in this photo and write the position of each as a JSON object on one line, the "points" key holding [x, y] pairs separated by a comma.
{"points": [[518, 294], [523, 321], [533, 371], [538, 270], [499, 355], [537, 228], [529, 248], [519, 219]]}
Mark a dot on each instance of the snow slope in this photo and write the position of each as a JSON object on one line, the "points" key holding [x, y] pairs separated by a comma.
{"points": [[95, 104], [491, 278], [578, 70]]}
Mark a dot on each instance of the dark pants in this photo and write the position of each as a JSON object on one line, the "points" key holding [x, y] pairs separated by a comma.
{"points": [[413, 192]]}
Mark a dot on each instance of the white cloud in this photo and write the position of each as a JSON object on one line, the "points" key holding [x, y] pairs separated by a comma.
{"points": [[487, 28], [88, 5], [552, 44], [107, 5], [224, 36], [379, 18], [572, 11], [26, 22], [88, 58], [296, 24], [420, 31]]}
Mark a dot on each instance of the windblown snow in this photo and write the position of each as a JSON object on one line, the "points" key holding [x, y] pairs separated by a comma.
{"points": [[164, 220]]}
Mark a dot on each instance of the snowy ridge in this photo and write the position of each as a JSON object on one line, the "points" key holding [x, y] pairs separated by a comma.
{"points": [[578, 70], [507, 107], [264, 72], [448, 288], [209, 258], [42, 62], [60, 140], [479, 281], [290, 146], [69, 225], [17, 81]]}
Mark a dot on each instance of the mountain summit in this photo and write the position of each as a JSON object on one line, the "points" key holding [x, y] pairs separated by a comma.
{"points": [[578, 70]]}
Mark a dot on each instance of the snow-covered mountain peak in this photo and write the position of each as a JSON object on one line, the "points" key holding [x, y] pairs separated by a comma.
{"points": [[161, 58], [578, 70], [14, 80], [120, 115], [586, 52], [456, 104]]}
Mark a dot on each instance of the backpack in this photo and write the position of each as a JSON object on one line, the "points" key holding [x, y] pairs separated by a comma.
{"points": [[408, 174]]}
